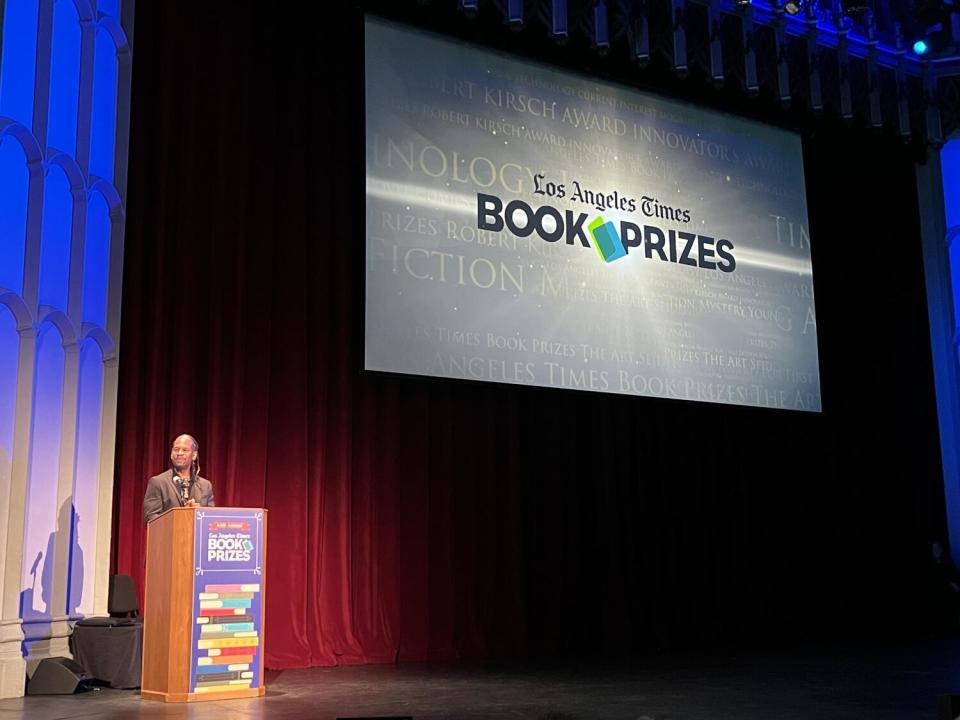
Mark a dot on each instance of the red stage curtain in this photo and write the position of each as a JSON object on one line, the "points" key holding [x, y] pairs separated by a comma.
{"points": [[240, 321]]}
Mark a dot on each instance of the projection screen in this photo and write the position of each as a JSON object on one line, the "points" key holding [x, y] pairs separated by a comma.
{"points": [[531, 226]]}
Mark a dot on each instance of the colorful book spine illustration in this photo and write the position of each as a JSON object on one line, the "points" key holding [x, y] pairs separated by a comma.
{"points": [[229, 640]]}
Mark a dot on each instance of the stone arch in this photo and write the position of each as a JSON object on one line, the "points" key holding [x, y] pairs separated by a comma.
{"points": [[18, 309], [58, 318]]}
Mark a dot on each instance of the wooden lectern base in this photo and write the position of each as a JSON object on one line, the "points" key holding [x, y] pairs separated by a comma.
{"points": [[201, 697]]}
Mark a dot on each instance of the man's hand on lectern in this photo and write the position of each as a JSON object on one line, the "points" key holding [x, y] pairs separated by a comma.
{"points": [[191, 503]]}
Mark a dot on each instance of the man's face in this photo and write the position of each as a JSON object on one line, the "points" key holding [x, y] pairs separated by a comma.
{"points": [[182, 454]]}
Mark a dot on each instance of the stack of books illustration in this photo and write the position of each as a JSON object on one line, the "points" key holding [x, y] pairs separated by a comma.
{"points": [[228, 636]]}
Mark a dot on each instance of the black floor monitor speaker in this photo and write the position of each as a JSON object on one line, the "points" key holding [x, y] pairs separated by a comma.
{"points": [[58, 676], [949, 707]]}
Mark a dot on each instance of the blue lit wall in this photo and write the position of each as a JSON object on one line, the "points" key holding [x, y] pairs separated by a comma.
{"points": [[950, 169], [96, 260], [14, 181], [948, 378], [64, 100], [9, 345], [64, 78], [55, 238], [17, 74], [938, 192], [103, 131]]}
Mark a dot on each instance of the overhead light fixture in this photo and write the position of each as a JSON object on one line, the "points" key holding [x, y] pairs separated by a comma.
{"points": [[600, 26], [854, 8], [793, 7], [934, 30], [743, 3], [557, 20]]}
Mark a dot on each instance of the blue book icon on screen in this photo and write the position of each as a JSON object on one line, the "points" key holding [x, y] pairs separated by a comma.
{"points": [[606, 240]]}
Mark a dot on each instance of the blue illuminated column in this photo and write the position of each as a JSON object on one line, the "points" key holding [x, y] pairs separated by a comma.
{"points": [[65, 72], [938, 184]]}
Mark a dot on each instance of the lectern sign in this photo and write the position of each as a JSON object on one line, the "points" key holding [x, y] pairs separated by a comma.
{"points": [[227, 600]]}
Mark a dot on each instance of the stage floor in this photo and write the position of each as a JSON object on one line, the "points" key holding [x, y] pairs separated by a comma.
{"points": [[889, 682]]}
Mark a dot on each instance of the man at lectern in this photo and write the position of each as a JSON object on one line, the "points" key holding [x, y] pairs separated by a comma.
{"points": [[181, 485]]}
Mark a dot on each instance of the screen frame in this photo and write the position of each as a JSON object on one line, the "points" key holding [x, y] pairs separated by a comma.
{"points": [[615, 81]]}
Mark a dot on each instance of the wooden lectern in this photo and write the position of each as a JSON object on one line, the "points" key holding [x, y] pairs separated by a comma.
{"points": [[204, 604]]}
